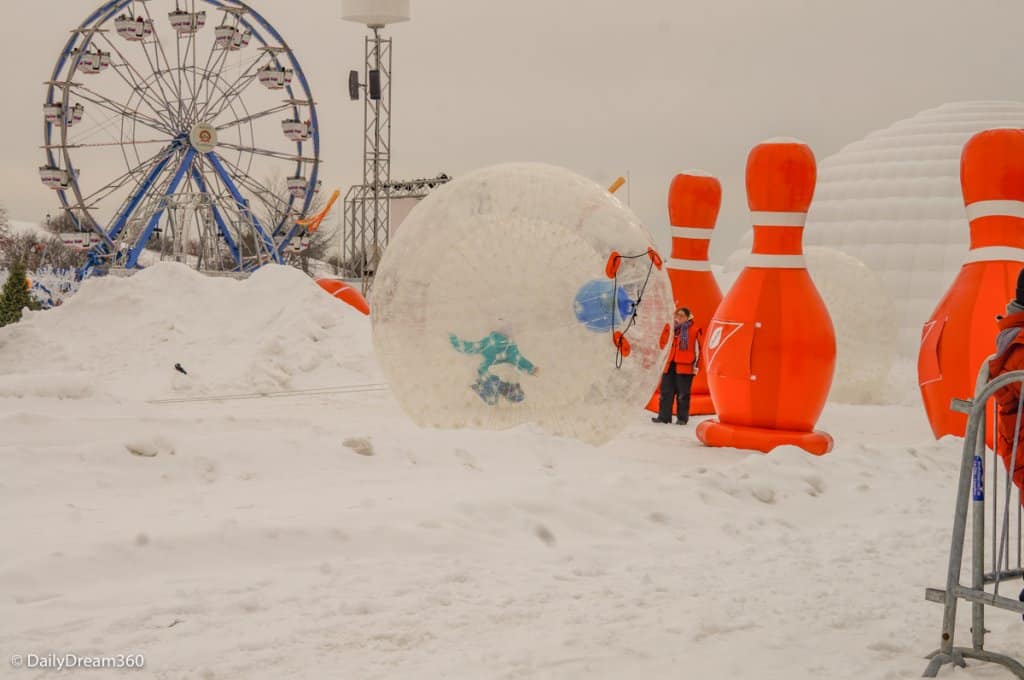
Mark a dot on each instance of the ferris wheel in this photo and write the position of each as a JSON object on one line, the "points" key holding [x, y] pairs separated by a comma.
{"points": [[163, 130]]}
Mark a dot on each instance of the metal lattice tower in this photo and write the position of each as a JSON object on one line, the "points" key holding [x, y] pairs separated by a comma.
{"points": [[377, 129], [367, 213]]}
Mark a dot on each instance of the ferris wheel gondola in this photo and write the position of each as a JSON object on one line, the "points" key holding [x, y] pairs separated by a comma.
{"points": [[153, 129]]}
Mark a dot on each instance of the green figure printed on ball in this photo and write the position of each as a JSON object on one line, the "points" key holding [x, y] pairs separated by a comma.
{"points": [[495, 349]]}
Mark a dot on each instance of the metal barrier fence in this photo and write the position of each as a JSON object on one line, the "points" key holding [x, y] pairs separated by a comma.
{"points": [[988, 499]]}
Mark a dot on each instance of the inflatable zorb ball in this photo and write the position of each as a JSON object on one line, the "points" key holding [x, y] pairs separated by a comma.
{"points": [[522, 293]]}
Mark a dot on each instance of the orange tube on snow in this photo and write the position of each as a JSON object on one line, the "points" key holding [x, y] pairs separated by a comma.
{"points": [[616, 185], [962, 330], [693, 203], [771, 348], [345, 293]]}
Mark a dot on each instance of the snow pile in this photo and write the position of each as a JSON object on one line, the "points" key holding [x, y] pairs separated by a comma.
{"points": [[121, 337], [249, 540], [325, 536]]}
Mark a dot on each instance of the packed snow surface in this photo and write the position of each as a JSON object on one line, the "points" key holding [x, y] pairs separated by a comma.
{"points": [[327, 536]]}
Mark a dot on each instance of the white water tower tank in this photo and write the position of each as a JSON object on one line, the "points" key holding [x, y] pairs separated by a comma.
{"points": [[375, 12]]}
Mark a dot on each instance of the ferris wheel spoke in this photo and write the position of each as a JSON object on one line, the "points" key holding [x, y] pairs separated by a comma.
{"points": [[159, 50], [160, 81], [180, 69], [147, 231], [132, 202], [113, 185], [208, 82], [255, 116], [94, 145], [208, 85], [233, 91], [243, 206], [212, 66], [121, 109], [265, 152], [192, 47], [275, 206], [137, 82]]}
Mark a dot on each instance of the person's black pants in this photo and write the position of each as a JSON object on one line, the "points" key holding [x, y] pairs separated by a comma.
{"points": [[674, 386]]}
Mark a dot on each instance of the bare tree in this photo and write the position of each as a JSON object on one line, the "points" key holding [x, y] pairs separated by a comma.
{"points": [[319, 241], [5, 224], [37, 250]]}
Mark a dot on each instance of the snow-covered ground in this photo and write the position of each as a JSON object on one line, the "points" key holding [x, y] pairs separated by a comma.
{"points": [[326, 536]]}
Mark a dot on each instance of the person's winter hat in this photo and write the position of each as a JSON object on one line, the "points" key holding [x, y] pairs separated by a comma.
{"points": [[1020, 288]]}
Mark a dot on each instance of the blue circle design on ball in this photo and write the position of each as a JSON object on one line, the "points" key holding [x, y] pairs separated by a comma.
{"points": [[594, 309]]}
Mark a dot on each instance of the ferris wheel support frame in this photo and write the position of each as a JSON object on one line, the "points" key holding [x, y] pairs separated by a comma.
{"points": [[147, 232], [222, 227]]}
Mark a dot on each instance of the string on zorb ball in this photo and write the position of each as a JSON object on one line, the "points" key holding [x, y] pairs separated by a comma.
{"points": [[619, 337]]}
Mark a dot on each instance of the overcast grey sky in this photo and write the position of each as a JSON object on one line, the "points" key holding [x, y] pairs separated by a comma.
{"points": [[602, 87]]}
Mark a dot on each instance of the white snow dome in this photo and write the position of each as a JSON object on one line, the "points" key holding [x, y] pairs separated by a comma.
{"points": [[892, 200]]}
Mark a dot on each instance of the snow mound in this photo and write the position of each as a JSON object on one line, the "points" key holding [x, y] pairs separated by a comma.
{"points": [[121, 338]]}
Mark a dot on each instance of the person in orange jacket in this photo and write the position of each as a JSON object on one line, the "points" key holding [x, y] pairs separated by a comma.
{"points": [[1010, 357], [677, 379]]}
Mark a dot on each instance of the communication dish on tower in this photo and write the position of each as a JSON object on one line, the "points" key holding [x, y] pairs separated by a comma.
{"points": [[375, 12]]}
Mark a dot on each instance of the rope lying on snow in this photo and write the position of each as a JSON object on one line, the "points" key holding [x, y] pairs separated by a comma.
{"points": [[316, 391]]}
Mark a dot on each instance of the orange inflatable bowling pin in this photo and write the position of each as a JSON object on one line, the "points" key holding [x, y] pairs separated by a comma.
{"points": [[770, 347], [694, 199], [962, 330]]}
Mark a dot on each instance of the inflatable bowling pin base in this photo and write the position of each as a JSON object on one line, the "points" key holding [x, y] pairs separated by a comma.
{"points": [[714, 433], [700, 404]]}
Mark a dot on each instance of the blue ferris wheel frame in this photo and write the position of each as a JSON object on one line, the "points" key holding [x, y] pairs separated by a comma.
{"points": [[274, 241]]}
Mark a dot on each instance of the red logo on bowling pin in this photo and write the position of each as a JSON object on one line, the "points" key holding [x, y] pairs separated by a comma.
{"points": [[962, 330], [771, 348], [693, 202]]}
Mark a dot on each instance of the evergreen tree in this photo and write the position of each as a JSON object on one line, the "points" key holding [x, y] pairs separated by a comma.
{"points": [[15, 296]]}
